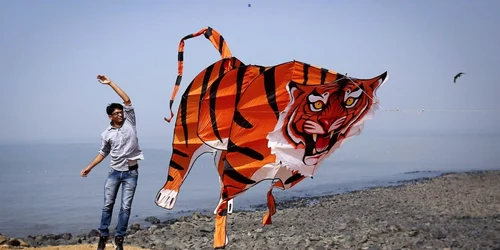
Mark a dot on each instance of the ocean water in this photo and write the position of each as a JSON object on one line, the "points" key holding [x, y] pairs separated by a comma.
{"points": [[42, 192]]}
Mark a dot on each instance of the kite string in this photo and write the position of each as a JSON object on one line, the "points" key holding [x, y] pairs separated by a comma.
{"points": [[420, 110], [378, 103], [407, 110]]}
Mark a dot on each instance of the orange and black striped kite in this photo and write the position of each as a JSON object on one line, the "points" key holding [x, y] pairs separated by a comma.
{"points": [[274, 123]]}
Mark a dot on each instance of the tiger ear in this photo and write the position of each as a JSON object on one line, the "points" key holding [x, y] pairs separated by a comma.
{"points": [[377, 81], [295, 90]]}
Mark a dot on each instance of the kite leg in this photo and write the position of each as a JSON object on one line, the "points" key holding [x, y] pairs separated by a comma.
{"points": [[271, 206], [181, 162], [220, 168], [229, 202], [187, 145], [220, 234], [291, 179]]}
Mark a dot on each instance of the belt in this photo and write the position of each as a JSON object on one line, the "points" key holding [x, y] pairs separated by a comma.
{"points": [[134, 167]]}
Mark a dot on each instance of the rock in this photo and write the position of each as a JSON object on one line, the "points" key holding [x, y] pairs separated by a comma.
{"points": [[152, 220], [196, 216], [65, 236], [93, 233], [3, 239], [413, 233], [206, 229], [22, 243], [14, 242], [135, 227]]}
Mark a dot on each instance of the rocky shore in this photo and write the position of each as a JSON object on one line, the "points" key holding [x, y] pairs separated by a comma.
{"points": [[452, 211]]}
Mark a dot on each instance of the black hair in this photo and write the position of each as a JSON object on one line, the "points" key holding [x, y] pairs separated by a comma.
{"points": [[111, 107]]}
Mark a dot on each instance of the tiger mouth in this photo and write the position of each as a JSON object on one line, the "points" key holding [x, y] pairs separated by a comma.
{"points": [[319, 144]]}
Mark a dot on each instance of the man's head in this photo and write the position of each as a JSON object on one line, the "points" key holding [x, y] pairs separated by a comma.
{"points": [[115, 113]]}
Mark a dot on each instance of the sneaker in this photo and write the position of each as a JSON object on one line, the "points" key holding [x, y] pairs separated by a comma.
{"points": [[118, 242], [102, 242]]}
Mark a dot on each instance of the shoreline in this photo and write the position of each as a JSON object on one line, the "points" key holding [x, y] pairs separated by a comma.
{"points": [[453, 209], [280, 195]]}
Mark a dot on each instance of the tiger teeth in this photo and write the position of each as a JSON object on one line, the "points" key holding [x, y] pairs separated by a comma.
{"points": [[315, 136], [314, 151], [331, 134]]}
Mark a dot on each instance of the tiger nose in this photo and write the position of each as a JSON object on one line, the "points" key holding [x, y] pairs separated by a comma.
{"points": [[326, 122]]}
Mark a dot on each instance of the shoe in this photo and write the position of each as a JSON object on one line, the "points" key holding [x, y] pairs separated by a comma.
{"points": [[102, 242], [118, 242]]}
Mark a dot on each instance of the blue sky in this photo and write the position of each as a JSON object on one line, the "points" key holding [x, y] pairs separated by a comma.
{"points": [[51, 52]]}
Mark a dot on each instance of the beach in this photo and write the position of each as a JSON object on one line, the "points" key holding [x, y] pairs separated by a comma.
{"points": [[452, 211]]}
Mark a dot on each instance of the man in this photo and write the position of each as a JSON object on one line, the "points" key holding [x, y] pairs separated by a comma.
{"points": [[119, 140]]}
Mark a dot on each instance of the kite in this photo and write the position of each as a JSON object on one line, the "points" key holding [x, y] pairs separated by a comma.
{"points": [[275, 123], [249, 5], [457, 76]]}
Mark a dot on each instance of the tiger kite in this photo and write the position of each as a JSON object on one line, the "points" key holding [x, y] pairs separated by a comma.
{"points": [[275, 123]]}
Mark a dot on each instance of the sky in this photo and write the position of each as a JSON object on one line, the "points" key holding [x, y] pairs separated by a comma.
{"points": [[51, 52]]}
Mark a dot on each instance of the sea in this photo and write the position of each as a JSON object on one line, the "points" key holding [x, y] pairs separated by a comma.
{"points": [[42, 192]]}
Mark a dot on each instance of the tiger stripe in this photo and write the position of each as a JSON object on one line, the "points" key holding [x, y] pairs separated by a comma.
{"points": [[306, 73], [212, 105], [270, 86], [217, 110], [323, 75], [178, 152]]}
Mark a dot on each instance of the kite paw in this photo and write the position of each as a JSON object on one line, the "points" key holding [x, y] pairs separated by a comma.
{"points": [[229, 206], [166, 198]]}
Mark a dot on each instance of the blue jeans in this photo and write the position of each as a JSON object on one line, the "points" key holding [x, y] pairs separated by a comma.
{"points": [[128, 181]]}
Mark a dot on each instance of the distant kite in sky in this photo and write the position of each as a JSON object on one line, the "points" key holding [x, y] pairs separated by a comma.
{"points": [[249, 5], [457, 76], [275, 123]]}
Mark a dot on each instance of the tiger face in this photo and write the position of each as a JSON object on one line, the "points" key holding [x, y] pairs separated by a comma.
{"points": [[318, 116]]}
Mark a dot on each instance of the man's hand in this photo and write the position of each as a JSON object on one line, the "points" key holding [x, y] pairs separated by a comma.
{"points": [[99, 157], [103, 79], [85, 172]]}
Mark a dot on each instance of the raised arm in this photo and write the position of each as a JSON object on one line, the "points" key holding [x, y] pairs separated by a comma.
{"points": [[105, 80]]}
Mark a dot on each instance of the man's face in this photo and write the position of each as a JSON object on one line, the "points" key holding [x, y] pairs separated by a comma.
{"points": [[117, 116]]}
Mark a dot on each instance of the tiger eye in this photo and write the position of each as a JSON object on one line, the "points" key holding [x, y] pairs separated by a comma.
{"points": [[349, 101], [318, 104]]}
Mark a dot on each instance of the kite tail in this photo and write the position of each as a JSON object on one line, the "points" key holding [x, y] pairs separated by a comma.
{"points": [[218, 42]]}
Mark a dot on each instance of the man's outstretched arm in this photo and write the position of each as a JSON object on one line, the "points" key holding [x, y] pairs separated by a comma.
{"points": [[105, 80], [103, 152], [94, 163]]}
